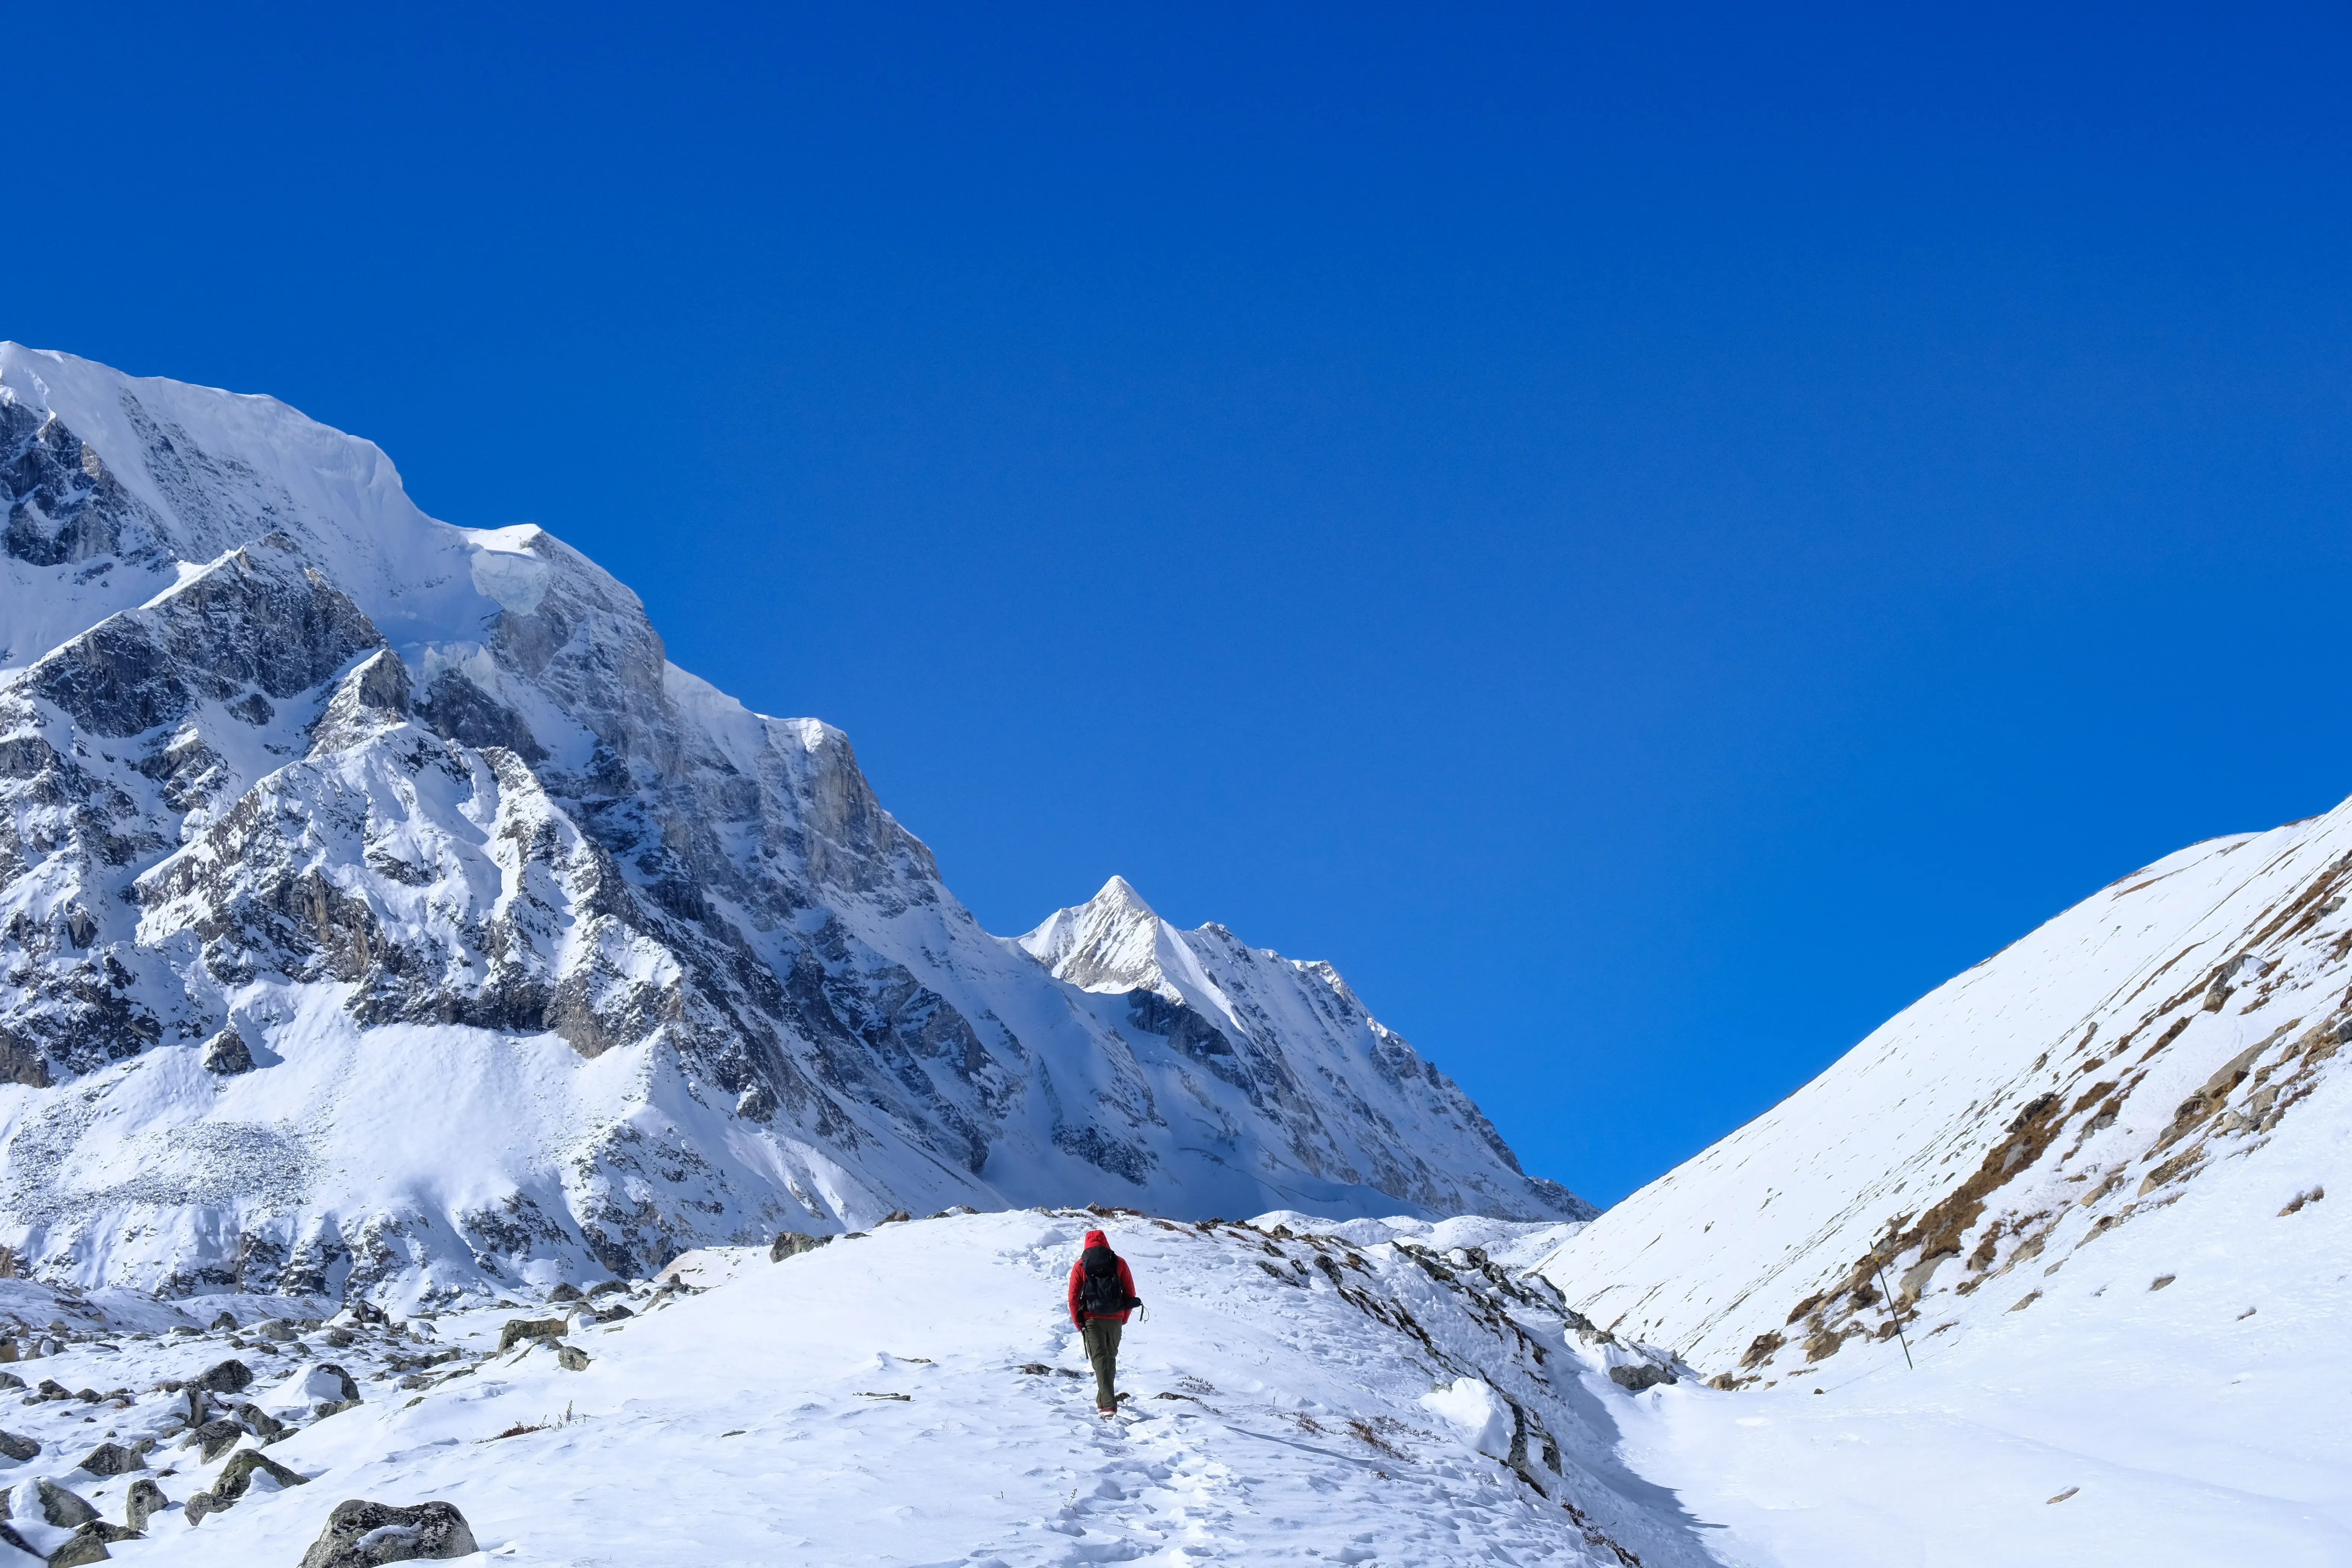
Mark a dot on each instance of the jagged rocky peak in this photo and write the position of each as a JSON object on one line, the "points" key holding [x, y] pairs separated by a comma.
{"points": [[323, 822]]}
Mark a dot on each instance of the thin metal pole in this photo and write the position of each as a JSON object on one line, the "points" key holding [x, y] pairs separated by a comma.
{"points": [[1894, 1311]]}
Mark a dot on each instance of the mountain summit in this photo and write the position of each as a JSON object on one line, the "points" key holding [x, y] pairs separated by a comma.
{"points": [[382, 910]]}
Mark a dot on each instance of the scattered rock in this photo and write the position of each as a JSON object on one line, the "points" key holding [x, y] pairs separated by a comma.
{"points": [[607, 1287], [521, 1328], [145, 1500], [320, 1412], [111, 1459], [613, 1313], [328, 1382], [791, 1244], [19, 1448], [226, 1320], [572, 1358], [1034, 1368], [87, 1544], [566, 1292], [197, 1506], [227, 1055], [2026, 1300], [237, 1477], [67, 1511], [279, 1330], [2062, 1497], [341, 1338], [50, 1388], [260, 1423], [361, 1535], [1636, 1376], [2161, 1280], [896, 1217], [229, 1377], [217, 1437]]}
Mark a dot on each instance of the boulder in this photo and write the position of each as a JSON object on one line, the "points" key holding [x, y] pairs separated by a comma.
{"points": [[111, 1459], [215, 1437], [65, 1509], [360, 1535], [332, 1408], [896, 1217], [607, 1287], [226, 1055], [521, 1328], [278, 1331], [145, 1500], [197, 1506], [227, 1377], [260, 1423], [613, 1313], [791, 1244], [572, 1358], [82, 1546], [50, 1388], [226, 1320], [19, 1448], [565, 1292], [329, 1383], [237, 1477], [1636, 1376]]}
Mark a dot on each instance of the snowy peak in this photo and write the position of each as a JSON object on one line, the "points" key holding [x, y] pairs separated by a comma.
{"points": [[420, 925], [1116, 941]]}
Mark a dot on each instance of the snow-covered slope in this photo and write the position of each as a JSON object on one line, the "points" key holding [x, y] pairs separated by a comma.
{"points": [[379, 906], [2097, 1168], [914, 1395]]}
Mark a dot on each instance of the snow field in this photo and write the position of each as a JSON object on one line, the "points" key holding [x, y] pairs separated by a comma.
{"points": [[867, 1403]]}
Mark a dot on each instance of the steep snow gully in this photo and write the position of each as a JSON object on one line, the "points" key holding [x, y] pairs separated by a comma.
{"points": [[449, 1056]]}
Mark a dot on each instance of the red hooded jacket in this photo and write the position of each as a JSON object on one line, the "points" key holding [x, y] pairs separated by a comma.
{"points": [[1078, 1279]]}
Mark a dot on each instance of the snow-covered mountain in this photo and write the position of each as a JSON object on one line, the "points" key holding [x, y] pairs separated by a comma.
{"points": [[377, 903], [2105, 1172]]}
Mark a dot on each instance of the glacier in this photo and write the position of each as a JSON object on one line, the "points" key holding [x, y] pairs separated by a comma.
{"points": [[382, 912]]}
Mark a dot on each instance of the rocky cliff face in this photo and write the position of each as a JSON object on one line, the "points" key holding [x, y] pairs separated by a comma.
{"points": [[379, 906]]}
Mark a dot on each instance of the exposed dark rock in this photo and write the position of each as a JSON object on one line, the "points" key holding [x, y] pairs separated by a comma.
{"points": [[565, 1292], [521, 1328], [896, 1217], [19, 1448], [226, 1320], [217, 1437], [65, 1509], [330, 1383], [360, 1535], [111, 1459], [791, 1244], [227, 1377], [260, 1423], [237, 1477], [1633, 1377], [144, 1500], [226, 1054], [572, 1358]]}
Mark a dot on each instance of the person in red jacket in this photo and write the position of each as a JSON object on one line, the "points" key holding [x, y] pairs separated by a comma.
{"points": [[1101, 1294]]}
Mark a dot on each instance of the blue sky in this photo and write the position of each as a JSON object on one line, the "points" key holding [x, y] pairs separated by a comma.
{"points": [[1650, 537]]}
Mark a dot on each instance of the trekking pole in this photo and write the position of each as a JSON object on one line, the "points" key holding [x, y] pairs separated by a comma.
{"points": [[1893, 1311]]}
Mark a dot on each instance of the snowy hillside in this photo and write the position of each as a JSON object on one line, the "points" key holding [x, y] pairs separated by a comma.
{"points": [[382, 911], [2099, 1167], [911, 1396]]}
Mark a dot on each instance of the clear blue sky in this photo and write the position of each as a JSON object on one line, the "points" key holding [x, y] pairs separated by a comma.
{"points": [[1650, 536]]}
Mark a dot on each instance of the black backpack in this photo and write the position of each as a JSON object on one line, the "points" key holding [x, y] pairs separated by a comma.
{"points": [[1099, 1292]]}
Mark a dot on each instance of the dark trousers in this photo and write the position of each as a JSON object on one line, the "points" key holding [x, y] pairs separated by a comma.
{"points": [[1102, 1350]]}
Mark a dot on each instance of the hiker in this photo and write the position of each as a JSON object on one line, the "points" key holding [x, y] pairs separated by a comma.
{"points": [[1102, 1292]]}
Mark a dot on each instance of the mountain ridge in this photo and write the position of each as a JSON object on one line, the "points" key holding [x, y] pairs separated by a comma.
{"points": [[312, 782]]}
